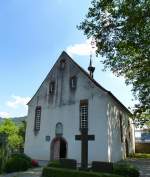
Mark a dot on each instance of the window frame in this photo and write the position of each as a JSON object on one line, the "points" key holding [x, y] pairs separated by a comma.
{"points": [[37, 121], [56, 129], [73, 82], [84, 114], [51, 87], [62, 64]]}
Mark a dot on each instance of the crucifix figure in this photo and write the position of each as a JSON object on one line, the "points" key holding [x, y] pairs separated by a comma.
{"points": [[84, 138]]}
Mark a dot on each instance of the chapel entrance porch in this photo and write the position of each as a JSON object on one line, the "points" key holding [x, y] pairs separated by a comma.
{"points": [[58, 148]]}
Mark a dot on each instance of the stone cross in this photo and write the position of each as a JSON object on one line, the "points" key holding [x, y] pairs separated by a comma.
{"points": [[84, 138]]}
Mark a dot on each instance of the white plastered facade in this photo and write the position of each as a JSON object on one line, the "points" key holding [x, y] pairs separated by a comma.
{"points": [[63, 106]]}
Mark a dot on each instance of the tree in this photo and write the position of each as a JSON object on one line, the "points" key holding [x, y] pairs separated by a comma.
{"points": [[121, 30], [9, 128], [22, 130], [3, 150]]}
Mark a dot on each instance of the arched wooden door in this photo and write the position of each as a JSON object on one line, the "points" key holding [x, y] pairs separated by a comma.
{"points": [[58, 148]]}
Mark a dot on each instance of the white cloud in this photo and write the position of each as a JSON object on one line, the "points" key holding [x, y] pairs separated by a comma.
{"points": [[82, 49], [17, 101], [4, 114]]}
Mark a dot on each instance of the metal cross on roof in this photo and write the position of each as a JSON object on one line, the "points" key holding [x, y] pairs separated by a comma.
{"points": [[93, 46]]}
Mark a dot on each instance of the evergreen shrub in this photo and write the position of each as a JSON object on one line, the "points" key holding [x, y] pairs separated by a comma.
{"points": [[54, 163], [60, 172], [15, 164], [21, 155], [63, 163], [126, 170]]}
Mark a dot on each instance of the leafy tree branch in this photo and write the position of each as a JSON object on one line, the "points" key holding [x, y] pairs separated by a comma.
{"points": [[121, 30]]}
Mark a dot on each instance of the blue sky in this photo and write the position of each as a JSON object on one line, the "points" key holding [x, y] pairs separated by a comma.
{"points": [[33, 33]]}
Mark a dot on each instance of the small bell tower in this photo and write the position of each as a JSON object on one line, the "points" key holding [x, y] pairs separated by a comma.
{"points": [[91, 68]]}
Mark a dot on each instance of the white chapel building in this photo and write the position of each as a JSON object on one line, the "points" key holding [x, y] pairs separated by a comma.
{"points": [[69, 100]]}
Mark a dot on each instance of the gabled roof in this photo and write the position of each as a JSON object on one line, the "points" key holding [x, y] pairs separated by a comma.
{"points": [[93, 80]]}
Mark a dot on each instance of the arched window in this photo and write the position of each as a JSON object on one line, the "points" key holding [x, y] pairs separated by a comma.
{"points": [[37, 118], [59, 129]]}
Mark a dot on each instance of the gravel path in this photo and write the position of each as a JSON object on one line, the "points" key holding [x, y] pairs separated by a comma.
{"points": [[30, 173], [143, 165]]}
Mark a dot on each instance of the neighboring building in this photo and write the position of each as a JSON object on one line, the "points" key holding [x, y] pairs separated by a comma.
{"points": [[142, 135], [68, 101], [142, 140]]}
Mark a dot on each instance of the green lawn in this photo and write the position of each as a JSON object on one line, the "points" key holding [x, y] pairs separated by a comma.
{"points": [[140, 156]]}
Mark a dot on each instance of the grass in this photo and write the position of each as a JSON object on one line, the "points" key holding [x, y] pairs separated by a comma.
{"points": [[140, 156]]}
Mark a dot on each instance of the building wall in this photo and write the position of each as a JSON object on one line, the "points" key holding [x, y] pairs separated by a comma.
{"points": [[116, 147], [63, 107]]}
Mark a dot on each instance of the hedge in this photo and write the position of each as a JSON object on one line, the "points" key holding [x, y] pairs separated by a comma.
{"points": [[54, 163], [63, 163], [16, 164], [59, 172], [126, 170], [21, 155]]}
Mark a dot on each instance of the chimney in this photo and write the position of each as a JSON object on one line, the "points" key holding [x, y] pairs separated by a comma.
{"points": [[91, 69]]}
